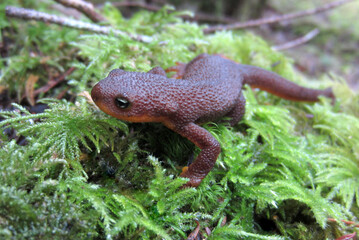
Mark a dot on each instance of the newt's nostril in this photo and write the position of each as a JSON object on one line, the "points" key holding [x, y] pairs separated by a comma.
{"points": [[94, 98]]}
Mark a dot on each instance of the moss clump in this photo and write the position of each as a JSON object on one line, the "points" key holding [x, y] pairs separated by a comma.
{"points": [[283, 171]]}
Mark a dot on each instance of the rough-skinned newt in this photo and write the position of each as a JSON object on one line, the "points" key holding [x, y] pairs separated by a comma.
{"points": [[210, 88]]}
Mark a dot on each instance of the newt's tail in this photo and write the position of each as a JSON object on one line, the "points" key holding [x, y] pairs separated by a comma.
{"points": [[273, 83]]}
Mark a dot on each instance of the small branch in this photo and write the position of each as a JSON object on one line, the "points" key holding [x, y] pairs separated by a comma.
{"points": [[262, 21], [68, 22], [299, 41], [344, 221], [53, 82], [84, 7]]}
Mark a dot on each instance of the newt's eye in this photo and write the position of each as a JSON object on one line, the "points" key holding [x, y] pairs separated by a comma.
{"points": [[122, 102]]}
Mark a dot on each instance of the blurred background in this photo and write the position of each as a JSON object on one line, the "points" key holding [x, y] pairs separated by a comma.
{"points": [[333, 50]]}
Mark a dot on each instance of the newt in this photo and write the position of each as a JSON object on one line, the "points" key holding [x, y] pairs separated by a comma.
{"points": [[210, 88]]}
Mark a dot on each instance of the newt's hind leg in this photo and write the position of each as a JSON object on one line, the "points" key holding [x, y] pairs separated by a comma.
{"points": [[237, 112], [180, 67]]}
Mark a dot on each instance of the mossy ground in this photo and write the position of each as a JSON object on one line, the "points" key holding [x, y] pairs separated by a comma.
{"points": [[283, 171]]}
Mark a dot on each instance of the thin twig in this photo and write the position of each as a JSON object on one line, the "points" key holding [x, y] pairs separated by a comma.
{"points": [[344, 221], [296, 42], [68, 22], [84, 7], [53, 82], [289, 16]]}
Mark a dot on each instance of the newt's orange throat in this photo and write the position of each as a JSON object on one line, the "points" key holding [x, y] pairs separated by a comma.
{"points": [[211, 88]]}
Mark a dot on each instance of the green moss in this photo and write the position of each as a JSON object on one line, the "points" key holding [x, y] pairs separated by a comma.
{"points": [[86, 175]]}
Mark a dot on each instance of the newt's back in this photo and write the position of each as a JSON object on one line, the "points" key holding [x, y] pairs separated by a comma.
{"points": [[214, 69], [215, 87]]}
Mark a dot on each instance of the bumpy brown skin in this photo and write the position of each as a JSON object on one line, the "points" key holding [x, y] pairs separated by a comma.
{"points": [[211, 88]]}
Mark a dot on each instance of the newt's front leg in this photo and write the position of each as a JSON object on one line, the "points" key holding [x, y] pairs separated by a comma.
{"points": [[210, 149]]}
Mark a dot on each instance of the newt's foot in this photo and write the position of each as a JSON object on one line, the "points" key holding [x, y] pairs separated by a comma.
{"points": [[193, 180], [179, 69]]}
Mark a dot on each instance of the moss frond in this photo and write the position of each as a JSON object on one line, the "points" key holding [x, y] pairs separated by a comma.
{"points": [[84, 174], [61, 128], [232, 232]]}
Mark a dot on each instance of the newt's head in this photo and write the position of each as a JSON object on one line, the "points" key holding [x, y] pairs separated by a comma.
{"points": [[129, 96]]}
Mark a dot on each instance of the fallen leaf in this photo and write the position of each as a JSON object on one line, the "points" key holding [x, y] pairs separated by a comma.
{"points": [[348, 237], [2, 88], [29, 88]]}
